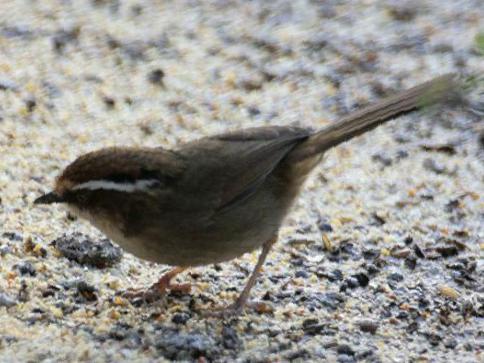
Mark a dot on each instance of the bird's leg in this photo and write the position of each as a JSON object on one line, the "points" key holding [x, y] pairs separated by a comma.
{"points": [[159, 288], [237, 307]]}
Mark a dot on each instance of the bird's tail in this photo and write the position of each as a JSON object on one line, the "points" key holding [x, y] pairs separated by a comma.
{"points": [[441, 89]]}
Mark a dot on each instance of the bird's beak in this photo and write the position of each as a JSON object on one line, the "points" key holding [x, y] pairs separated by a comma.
{"points": [[49, 198]]}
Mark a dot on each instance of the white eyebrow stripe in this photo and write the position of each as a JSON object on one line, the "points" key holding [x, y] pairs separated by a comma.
{"points": [[138, 185]]}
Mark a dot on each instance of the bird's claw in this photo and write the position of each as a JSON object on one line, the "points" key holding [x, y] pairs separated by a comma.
{"points": [[154, 293], [224, 312]]}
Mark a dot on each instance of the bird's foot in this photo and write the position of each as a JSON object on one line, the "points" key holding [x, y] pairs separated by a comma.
{"points": [[154, 293], [224, 312], [159, 289], [142, 295], [237, 308]]}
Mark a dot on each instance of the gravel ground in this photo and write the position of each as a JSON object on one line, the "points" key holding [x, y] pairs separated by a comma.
{"points": [[381, 259]]}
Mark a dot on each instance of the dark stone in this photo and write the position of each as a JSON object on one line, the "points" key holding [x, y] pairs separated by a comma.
{"points": [[447, 251], [82, 249], [109, 102], [403, 11], [450, 343], [314, 327], [325, 227], [345, 349], [418, 251], [372, 269], [253, 111], [6, 300], [371, 253], [86, 291], [402, 154], [7, 84], [362, 279], [301, 273], [5, 250], [350, 283], [408, 240], [345, 249], [412, 327], [297, 355], [331, 300], [230, 339], [368, 326], [17, 31], [184, 346], [122, 332], [51, 290], [448, 149], [433, 338], [377, 220], [156, 77], [12, 236], [23, 293], [64, 37], [385, 160], [180, 318], [30, 103], [335, 275], [396, 277], [26, 268], [432, 165], [411, 262], [354, 281]]}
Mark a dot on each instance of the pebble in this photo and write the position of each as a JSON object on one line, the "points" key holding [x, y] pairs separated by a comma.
{"points": [[85, 251], [302, 274], [156, 77], [230, 338], [8, 84], [368, 326], [432, 165], [449, 292], [63, 37], [331, 300], [313, 326], [403, 11], [325, 227], [345, 349], [26, 268], [395, 277], [180, 318], [411, 262], [6, 300], [86, 291], [183, 346]]}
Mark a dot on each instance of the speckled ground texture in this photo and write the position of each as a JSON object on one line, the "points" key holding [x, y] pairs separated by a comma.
{"points": [[381, 259]]}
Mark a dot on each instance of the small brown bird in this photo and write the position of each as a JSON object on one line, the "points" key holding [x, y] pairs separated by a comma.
{"points": [[216, 198]]}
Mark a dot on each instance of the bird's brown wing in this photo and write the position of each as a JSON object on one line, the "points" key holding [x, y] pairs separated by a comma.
{"points": [[232, 166]]}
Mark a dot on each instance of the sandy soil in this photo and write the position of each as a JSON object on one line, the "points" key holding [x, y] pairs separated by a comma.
{"points": [[381, 260]]}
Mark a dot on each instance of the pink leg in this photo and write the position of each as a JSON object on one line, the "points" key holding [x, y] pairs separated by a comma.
{"points": [[237, 307]]}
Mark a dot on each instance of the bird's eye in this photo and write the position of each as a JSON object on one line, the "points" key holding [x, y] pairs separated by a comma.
{"points": [[82, 196]]}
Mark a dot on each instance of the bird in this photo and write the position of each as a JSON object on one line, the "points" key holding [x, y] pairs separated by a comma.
{"points": [[216, 198]]}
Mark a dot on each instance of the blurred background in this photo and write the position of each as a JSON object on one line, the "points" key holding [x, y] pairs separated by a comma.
{"points": [[106, 72]]}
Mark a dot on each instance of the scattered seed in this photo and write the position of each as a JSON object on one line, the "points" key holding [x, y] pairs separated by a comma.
{"points": [[449, 292]]}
